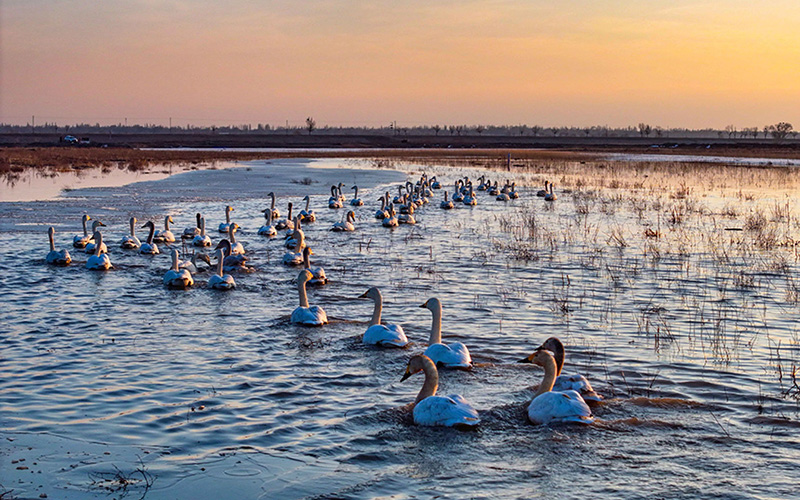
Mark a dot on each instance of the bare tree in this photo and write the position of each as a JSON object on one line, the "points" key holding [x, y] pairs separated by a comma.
{"points": [[731, 130], [480, 129], [310, 125], [645, 129], [536, 130], [780, 130], [436, 129]]}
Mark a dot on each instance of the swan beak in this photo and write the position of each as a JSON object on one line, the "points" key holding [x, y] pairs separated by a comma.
{"points": [[525, 360], [424, 305], [363, 295], [405, 376]]}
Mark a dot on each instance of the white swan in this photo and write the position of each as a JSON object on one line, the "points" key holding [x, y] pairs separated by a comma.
{"points": [[568, 381], [455, 355], [296, 240], [435, 184], [274, 211], [287, 223], [56, 257], [543, 192], [149, 247], [391, 220], [470, 198], [223, 227], [307, 216], [335, 201], [220, 281], [318, 274], [433, 410], [493, 190], [512, 193], [446, 204], [176, 277], [342, 197], [550, 196], [305, 315], [202, 239], [378, 334], [98, 261], [549, 407], [190, 232], [131, 242], [191, 264], [346, 224], [268, 229], [91, 245], [356, 202], [81, 241], [236, 247], [166, 235], [458, 196], [382, 213], [482, 186]]}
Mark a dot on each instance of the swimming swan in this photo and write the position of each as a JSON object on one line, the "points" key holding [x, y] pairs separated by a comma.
{"points": [[176, 277], [220, 281], [231, 262], [236, 247], [56, 257], [305, 315], [190, 232], [166, 235], [131, 242], [356, 202], [568, 381], [382, 213], [378, 334], [287, 223], [81, 241], [98, 261], [391, 220], [455, 355], [268, 229], [223, 227], [550, 196], [318, 274], [554, 407], [335, 200], [91, 244], [433, 410], [202, 239], [149, 247], [296, 240], [346, 224], [307, 216], [446, 204], [274, 211]]}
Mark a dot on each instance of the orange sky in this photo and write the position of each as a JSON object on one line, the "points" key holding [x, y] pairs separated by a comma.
{"points": [[569, 63]]}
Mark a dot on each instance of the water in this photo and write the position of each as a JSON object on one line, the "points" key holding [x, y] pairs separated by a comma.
{"points": [[204, 394]]}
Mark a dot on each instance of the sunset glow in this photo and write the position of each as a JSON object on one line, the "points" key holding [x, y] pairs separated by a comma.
{"points": [[573, 63]]}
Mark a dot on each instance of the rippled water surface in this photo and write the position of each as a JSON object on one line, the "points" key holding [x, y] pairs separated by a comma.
{"points": [[114, 386]]}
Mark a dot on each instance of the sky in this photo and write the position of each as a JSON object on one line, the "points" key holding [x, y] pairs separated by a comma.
{"points": [[693, 64]]}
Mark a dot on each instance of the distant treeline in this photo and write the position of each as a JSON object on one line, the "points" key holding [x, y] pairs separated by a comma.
{"points": [[781, 130]]}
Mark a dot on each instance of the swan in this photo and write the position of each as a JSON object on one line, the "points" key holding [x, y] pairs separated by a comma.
{"points": [[378, 334], [190, 232], [493, 190], [433, 410], [317, 273], [176, 277], [98, 261], [503, 197], [482, 186], [191, 264], [543, 192], [56, 257], [446, 204], [512, 193], [81, 241], [435, 184], [391, 220], [399, 198], [568, 381], [305, 315], [346, 224], [455, 355], [149, 247], [202, 239], [307, 216], [382, 213], [131, 242], [268, 229], [91, 244], [356, 202], [219, 281], [223, 227], [342, 198], [470, 198], [550, 196], [231, 262], [334, 201], [554, 407], [296, 240], [166, 235], [457, 197], [274, 211], [288, 222], [236, 247]]}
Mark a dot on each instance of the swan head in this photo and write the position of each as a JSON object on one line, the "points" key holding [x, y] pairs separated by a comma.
{"points": [[541, 357], [417, 364], [224, 245], [373, 293], [168, 220], [219, 254], [148, 225], [51, 231], [97, 224], [432, 304], [204, 258], [233, 227], [86, 218], [228, 209], [553, 345], [304, 277]]}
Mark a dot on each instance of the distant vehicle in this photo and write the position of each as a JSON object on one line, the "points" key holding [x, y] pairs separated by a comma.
{"points": [[69, 139], [85, 141]]}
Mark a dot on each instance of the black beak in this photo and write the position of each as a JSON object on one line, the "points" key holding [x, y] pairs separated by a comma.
{"points": [[423, 305], [525, 360], [405, 376]]}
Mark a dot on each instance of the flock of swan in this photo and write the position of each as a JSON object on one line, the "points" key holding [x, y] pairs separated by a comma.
{"points": [[560, 397]]}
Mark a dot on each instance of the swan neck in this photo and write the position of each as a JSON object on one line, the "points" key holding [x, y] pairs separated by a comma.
{"points": [[85, 231], [431, 381], [133, 228], [436, 325], [301, 289], [98, 241], [376, 311], [308, 202], [175, 261], [52, 241], [166, 223], [549, 377], [558, 356], [152, 233]]}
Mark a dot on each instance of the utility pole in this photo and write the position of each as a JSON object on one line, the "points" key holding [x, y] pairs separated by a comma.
{"points": [[33, 124]]}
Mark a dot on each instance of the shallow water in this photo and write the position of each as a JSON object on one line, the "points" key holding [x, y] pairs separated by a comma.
{"points": [[211, 393]]}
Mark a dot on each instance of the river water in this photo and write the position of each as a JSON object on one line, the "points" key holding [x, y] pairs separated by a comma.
{"points": [[113, 386]]}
